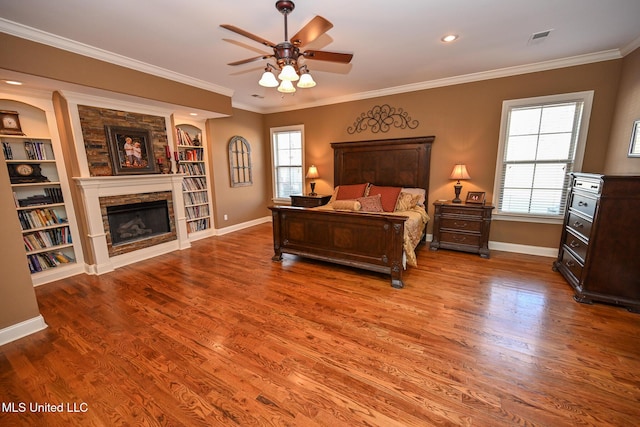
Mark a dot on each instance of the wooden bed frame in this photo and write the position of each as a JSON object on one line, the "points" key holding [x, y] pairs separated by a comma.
{"points": [[368, 241]]}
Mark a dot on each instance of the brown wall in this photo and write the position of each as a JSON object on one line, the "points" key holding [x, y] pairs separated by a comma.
{"points": [[240, 204], [465, 120], [627, 111], [17, 297], [29, 57]]}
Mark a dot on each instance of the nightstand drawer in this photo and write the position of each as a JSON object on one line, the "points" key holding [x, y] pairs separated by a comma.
{"points": [[461, 224], [460, 238], [466, 211]]}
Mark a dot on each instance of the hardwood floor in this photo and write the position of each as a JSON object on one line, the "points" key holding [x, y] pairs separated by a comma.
{"points": [[220, 335]]}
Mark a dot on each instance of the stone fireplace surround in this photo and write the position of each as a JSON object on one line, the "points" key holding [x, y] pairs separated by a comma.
{"points": [[97, 188]]}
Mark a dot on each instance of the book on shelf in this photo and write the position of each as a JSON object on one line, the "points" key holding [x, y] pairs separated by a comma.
{"points": [[35, 150], [46, 260], [185, 139], [6, 150]]}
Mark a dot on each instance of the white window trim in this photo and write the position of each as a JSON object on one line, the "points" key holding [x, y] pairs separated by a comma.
{"points": [[283, 200], [587, 98]]}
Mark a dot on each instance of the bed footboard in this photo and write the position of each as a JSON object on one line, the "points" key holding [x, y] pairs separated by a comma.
{"points": [[368, 241]]}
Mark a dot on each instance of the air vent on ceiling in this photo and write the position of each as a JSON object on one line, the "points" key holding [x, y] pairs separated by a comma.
{"points": [[539, 37]]}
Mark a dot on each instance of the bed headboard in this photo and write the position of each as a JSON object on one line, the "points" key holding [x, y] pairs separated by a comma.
{"points": [[401, 162]]}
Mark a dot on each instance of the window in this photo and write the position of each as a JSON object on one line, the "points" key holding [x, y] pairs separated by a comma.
{"points": [[541, 142], [287, 145]]}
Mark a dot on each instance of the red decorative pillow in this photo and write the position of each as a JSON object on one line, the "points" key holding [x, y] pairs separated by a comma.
{"points": [[388, 195], [370, 204], [352, 191]]}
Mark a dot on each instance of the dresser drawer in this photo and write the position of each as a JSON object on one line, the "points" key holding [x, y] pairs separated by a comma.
{"points": [[587, 185], [460, 238], [572, 264], [461, 224], [584, 204], [577, 245], [579, 225], [466, 211]]}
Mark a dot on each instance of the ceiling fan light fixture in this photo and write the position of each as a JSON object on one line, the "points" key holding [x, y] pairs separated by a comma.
{"points": [[268, 79], [306, 81], [286, 87], [288, 73]]}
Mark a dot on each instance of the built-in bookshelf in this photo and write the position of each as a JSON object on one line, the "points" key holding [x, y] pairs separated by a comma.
{"points": [[40, 205], [192, 161]]}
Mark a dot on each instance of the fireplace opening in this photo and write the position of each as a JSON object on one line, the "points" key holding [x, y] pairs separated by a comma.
{"points": [[138, 221]]}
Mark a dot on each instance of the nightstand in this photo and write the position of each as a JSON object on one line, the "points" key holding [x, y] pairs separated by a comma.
{"points": [[462, 227], [308, 201]]}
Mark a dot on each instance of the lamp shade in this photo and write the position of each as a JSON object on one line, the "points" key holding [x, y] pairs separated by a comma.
{"points": [[286, 87], [313, 172], [306, 81], [268, 80], [459, 172], [288, 73]]}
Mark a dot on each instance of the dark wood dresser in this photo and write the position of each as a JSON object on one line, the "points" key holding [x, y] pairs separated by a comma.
{"points": [[599, 251], [308, 201], [462, 227]]}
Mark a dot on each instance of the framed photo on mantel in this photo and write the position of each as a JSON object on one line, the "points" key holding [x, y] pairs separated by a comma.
{"points": [[131, 151]]}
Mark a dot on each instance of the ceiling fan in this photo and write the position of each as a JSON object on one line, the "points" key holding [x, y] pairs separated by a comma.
{"points": [[287, 53]]}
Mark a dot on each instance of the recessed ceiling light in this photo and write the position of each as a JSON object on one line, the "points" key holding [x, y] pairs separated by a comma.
{"points": [[449, 38], [193, 114], [13, 82]]}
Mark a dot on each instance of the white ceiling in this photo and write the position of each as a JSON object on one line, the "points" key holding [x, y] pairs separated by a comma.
{"points": [[396, 44]]}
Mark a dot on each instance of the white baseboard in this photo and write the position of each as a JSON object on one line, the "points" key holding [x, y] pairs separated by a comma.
{"points": [[524, 249], [22, 329], [237, 227], [520, 249]]}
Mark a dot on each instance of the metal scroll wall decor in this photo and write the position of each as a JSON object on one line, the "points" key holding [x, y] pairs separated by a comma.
{"points": [[381, 118]]}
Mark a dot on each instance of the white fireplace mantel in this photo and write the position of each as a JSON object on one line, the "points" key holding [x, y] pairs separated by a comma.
{"points": [[93, 188]]}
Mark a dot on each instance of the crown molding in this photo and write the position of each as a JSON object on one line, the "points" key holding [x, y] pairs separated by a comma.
{"points": [[630, 47], [467, 78], [33, 34]]}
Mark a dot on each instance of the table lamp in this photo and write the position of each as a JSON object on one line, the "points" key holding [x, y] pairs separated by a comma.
{"points": [[459, 172], [312, 174]]}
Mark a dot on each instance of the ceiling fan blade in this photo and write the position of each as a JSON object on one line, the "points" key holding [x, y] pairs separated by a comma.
{"points": [[246, 61], [314, 29], [320, 55], [248, 34]]}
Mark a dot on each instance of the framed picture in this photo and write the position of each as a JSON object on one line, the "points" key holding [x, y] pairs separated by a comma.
{"points": [[634, 145], [475, 197], [131, 151], [10, 123]]}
